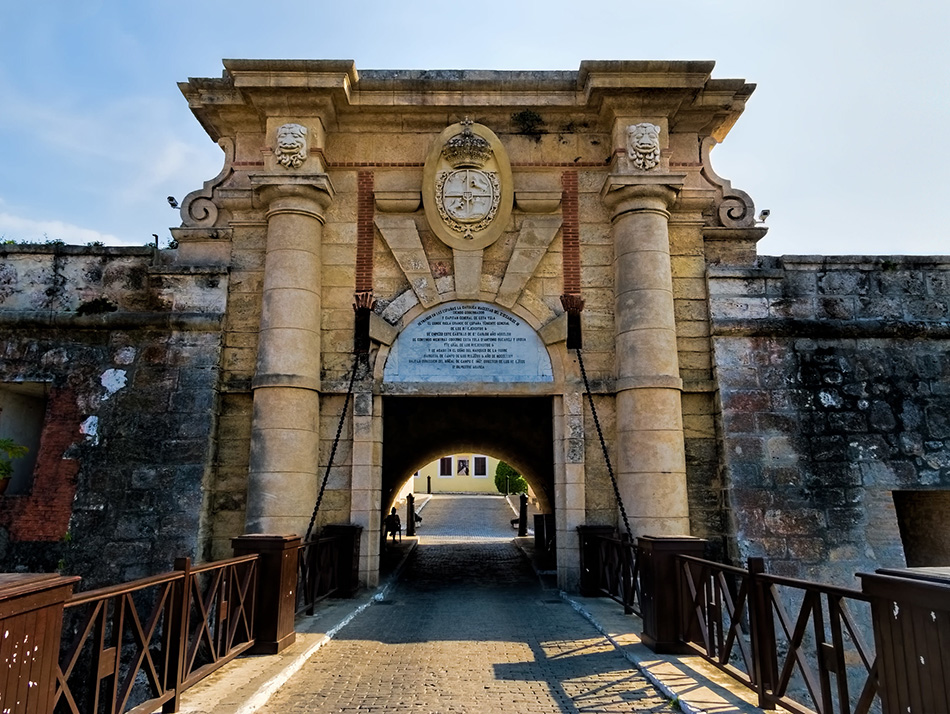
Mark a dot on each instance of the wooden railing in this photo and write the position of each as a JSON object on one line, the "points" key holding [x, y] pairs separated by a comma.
{"points": [[137, 646], [318, 567], [716, 623], [619, 573], [800, 645]]}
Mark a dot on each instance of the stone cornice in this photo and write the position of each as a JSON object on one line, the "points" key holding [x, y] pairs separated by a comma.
{"points": [[830, 329], [120, 320], [683, 89]]}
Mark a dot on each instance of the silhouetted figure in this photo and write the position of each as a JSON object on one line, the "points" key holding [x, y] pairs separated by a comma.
{"points": [[393, 525]]}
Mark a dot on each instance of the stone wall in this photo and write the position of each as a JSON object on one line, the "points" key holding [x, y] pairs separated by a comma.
{"points": [[834, 383], [127, 352]]}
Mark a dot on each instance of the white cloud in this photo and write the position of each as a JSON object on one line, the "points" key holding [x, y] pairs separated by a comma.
{"points": [[31, 230]]}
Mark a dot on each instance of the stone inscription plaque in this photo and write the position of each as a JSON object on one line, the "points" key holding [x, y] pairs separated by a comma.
{"points": [[468, 342]]}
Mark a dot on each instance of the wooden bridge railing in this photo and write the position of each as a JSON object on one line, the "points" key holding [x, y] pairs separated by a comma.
{"points": [[803, 646], [136, 647]]}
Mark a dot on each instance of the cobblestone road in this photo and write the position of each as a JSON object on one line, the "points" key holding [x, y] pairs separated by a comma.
{"points": [[468, 630]]}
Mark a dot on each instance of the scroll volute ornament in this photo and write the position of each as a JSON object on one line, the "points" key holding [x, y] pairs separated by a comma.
{"points": [[467, 189]]}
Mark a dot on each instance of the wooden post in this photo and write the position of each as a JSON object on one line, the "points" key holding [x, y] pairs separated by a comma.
{"points": [[764, 653], [662, 602], [910, 610], [410, 515], [31, 624], [276, 588], [590, 557], [178, 622], [348, 573]]}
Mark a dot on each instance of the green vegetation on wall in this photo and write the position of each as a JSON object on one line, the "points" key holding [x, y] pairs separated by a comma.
{"points": [[9, 450]]}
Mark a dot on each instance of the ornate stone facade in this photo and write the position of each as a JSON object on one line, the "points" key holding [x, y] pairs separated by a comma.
{"points": [[464, 232]]}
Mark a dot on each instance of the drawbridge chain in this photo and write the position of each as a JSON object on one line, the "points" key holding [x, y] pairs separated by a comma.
{"points": [[336, 441], [603, 446]]}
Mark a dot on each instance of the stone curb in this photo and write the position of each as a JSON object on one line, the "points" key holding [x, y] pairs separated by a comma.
{"points": [[690, 683], [666, 691]]}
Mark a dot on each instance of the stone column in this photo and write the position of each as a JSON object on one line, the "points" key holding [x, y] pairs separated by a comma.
{"points": [[283, 474], [651, 461]]}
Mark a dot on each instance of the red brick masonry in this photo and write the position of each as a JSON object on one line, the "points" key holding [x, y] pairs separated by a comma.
{"points": [[43, 514], [570, 234], [365, 232]]}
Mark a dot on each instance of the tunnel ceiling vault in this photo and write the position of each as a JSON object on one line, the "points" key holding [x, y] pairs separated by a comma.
{"points": [[518, 430]]}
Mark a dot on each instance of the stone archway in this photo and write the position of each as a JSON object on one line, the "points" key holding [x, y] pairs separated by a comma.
{"points": [[519, 430]]}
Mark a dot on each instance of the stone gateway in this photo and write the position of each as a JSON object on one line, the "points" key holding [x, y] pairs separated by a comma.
{"points": [[485, 225]]}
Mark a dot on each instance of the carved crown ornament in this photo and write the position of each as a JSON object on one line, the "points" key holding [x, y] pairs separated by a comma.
{"points": [[467, 190]]}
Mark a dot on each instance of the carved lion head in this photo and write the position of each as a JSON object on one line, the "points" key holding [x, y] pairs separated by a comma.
{"points": [[291, 145], [643, 145]]}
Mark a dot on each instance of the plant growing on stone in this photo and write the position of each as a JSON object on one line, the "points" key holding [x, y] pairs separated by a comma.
{"points": [[9, 451]]}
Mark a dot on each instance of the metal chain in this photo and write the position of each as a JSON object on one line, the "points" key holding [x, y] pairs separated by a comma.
{"points": [[603, 446], [336, 441]]}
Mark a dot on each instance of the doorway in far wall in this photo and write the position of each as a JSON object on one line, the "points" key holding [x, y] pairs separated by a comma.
{"points": [[923, 517]]}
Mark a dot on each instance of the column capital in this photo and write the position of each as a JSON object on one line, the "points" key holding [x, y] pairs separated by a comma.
{"points": [[634, 193], [306, 194]]}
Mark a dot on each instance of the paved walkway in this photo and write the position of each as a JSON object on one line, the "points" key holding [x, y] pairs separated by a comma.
{"points": [[465, 518], [468, 628]]}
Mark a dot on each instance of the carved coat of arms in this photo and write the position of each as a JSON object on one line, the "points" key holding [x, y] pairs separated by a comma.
{"points": [[467, 186]]}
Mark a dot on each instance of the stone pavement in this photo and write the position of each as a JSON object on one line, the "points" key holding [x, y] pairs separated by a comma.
{"points": [[465, 517], [467, 628]]}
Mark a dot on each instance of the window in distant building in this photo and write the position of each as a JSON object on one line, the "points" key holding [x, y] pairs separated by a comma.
{"points": [[445, 467], [481, 467], [462, 469]]}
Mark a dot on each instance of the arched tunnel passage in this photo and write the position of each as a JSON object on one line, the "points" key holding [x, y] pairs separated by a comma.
{"points": [[518, 430]]}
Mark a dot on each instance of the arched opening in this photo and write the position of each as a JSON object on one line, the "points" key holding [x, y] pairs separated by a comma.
{"points": [[517, 430]]}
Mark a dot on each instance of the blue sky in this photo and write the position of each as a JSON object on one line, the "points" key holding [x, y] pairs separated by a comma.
{"points": [[845, 139]]}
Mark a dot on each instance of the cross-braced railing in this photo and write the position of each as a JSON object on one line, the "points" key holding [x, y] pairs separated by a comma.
{"points": [[798, 644], [135, 647], [716, 608], [317, 572], [619, 573], [822, 652], [221, 605]]}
